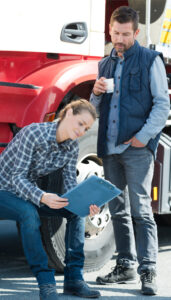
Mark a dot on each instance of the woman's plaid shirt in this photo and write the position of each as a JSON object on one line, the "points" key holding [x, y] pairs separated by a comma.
{"points": [[33, 153]]}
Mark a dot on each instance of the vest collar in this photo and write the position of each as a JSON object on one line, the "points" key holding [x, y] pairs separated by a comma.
{"points": [[131, 50], [113, 55]]}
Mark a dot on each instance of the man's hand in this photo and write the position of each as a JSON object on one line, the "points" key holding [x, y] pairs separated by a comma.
{"points": [[135, 143], [94, 210], [100, 86], [54, 201]]}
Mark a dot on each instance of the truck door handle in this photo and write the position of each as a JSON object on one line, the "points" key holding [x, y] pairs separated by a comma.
{"points": [[74, 32]]}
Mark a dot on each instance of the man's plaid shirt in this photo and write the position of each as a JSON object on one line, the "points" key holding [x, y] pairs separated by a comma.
{"points": [[33, 153]]}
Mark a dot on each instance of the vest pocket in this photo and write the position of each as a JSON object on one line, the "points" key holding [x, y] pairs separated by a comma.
{"points": [[134, 82]]}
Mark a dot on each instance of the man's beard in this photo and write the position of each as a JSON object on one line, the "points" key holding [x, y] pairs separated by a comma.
{"points": [[120, 47]]}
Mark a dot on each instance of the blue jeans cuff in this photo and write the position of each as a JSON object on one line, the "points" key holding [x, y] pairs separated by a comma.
{"points": [[46, 278]]}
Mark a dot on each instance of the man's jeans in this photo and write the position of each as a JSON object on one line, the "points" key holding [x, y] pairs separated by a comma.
{"points": [[27, 214], [132, 172]]}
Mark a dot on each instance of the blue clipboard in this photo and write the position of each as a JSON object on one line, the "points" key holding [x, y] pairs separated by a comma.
{"points": [[93, 190]]}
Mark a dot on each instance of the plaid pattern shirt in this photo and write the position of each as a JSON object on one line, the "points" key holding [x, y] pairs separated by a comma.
{"points": [[33, 153]]}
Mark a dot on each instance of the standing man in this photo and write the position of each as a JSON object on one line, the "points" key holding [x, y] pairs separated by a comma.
{"points": [[131, 120]]}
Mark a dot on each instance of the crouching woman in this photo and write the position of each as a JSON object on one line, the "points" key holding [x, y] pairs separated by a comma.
{"points": [[37, 150]]}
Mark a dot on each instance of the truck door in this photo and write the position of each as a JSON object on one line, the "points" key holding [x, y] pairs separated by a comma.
{"points": [[53, 26]]}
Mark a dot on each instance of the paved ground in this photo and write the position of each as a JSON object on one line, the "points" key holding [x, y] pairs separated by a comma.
{"points": [[17, 283]]}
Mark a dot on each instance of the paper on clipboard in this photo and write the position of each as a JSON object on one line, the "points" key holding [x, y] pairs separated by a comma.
{"points": [[93, 190]]}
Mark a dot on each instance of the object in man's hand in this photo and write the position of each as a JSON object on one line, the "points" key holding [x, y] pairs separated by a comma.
{"points": [[110, 85]]}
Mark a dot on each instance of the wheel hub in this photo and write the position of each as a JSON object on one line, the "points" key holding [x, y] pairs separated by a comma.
{"points": [[91, 165]]}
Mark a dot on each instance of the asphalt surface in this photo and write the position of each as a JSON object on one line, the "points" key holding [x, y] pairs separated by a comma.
{"points": [[17, 282]]}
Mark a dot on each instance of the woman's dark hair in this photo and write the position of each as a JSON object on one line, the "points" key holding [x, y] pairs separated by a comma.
{"points": [[78, 106], [125, 14]]}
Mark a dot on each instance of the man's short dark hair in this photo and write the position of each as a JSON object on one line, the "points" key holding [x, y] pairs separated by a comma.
{"points": [[125, 14]]}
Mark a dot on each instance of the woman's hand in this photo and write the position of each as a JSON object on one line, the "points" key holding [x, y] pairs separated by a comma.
{"points": [[54, 201], [94, 210]]}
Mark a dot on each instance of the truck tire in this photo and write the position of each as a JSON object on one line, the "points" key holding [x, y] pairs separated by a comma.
{"points": [[99, 236]]}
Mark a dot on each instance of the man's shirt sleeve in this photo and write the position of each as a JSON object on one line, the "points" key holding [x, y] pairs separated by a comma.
{"points": [[23, 158], [95, 101], [161, 103]]}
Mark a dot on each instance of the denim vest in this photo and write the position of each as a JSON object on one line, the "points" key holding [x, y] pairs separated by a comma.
{"points": [[135, 96]]}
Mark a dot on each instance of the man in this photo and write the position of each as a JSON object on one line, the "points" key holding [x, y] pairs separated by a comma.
{"points": [[131, 120]]}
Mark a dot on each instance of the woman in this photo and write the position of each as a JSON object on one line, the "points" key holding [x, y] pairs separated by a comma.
{"points": [[37, 150]]}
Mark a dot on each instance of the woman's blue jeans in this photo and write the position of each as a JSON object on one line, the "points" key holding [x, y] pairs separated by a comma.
{"points": [[132, 172], [28, 216]]}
